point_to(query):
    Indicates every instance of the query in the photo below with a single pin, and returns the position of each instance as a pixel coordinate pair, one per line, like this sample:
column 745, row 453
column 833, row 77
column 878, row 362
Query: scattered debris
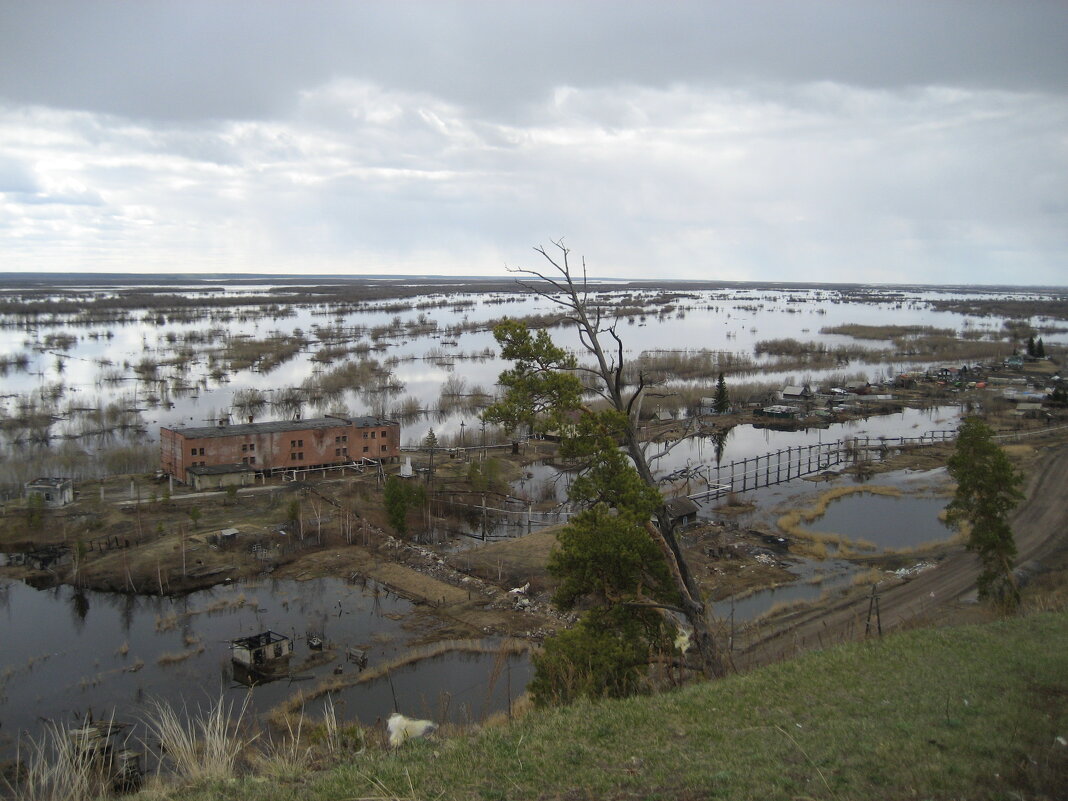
column 907, row 573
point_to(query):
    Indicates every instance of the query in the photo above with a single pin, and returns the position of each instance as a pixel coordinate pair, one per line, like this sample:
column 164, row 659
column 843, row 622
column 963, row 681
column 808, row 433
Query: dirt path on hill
column 1040, row 525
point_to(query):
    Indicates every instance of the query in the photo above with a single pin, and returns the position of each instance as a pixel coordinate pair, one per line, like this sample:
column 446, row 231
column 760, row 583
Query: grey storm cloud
column 879, row 141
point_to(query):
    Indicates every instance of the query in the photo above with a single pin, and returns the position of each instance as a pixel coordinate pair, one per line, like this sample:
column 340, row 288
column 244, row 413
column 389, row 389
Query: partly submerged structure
column 261, row 657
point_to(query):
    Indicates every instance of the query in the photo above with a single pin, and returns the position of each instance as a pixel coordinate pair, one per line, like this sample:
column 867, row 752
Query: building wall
column 52, row 496
column 297, row 447
column 221, row 480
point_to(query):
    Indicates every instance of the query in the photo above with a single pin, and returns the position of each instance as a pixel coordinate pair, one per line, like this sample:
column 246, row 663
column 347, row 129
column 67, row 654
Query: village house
column 796, row 394
column 236, row 452
column 681, row 511
column 53, row 492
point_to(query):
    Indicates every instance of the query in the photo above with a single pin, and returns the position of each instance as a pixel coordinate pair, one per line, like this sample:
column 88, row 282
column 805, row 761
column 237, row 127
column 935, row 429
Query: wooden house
column 681, row 511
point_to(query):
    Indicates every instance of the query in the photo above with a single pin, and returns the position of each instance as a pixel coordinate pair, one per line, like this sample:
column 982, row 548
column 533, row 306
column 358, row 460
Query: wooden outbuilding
column 53, row 492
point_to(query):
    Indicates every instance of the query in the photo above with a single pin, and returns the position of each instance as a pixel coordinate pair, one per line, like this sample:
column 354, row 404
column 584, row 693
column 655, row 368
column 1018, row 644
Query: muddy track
column 1040, row 525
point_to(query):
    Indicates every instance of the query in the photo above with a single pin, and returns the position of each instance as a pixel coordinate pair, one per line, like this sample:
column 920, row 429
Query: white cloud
column 819, row 181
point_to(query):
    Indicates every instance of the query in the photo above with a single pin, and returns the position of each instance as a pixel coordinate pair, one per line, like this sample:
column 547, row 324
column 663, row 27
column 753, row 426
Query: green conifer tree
column 988, row 488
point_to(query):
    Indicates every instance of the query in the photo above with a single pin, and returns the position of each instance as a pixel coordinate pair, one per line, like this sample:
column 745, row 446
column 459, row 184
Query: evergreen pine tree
column 988, row 488
column 722, row 400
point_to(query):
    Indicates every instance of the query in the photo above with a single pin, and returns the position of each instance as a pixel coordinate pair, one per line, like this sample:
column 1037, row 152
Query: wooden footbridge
column 777, row 467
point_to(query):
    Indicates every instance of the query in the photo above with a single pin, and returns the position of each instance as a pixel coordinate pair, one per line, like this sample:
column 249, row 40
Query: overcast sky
column 900, row 141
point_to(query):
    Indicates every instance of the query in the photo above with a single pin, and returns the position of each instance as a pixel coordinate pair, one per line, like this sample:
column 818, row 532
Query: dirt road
column 1040, row 525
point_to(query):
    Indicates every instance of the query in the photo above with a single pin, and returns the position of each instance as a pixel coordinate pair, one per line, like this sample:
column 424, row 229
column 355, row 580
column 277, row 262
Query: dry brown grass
column 174, row 657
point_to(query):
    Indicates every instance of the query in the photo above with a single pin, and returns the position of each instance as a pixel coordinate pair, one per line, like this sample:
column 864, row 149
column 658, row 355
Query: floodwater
column 67, row 652
column 419, row 348
column 885, row 520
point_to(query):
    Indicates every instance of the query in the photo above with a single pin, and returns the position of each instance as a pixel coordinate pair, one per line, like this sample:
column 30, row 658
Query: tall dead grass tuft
column 203, row 746
column 64, row 764
column 287, row 758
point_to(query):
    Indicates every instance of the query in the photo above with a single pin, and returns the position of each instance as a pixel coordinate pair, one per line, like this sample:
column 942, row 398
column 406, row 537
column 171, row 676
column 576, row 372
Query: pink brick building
column 279, row 445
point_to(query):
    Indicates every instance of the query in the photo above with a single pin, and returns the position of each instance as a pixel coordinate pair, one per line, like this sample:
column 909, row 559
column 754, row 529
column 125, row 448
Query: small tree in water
column 988, row 489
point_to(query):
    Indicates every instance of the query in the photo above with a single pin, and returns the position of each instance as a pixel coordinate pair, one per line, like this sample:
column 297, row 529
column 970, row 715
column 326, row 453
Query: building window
column 337, row 440
column 344, row 437
column 373, row 433
column 292, row 443
column 385, row 435
column 252, row 460
column 365, row 449
column 201, row 451
column 301, row 456
column 292, row 457
column 384, row 448
column 337, row 451
column 192, row 451
column 244, row 448
column 244, row 460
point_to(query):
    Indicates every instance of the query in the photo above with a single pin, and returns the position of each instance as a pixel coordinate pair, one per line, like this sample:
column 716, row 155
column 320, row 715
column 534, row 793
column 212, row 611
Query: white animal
column 683, row 639
column 520, row 590
column 402, row 728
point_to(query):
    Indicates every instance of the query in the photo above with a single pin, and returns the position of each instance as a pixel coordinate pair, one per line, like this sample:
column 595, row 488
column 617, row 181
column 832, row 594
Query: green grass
column 956, row 713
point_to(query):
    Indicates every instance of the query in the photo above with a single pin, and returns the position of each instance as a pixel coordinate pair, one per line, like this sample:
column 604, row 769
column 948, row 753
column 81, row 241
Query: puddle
column 835, row 574
column 458, row 686
column 886, row 521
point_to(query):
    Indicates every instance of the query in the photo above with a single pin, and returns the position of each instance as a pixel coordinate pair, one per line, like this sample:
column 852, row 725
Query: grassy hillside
column 971, row 712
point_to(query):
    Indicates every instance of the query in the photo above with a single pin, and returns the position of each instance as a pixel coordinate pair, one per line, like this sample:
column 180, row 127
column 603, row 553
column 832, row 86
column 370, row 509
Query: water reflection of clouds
column 747, row 442
column 718, row 320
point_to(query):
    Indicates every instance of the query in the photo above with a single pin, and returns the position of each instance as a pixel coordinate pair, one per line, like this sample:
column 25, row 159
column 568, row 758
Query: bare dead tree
column 606, row 377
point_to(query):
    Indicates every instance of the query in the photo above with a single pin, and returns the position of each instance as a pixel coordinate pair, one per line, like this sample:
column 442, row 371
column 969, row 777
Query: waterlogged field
column 90, row 372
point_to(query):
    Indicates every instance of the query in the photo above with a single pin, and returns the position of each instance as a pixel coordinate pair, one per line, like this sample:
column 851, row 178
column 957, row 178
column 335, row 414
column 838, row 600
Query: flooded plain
column 84, row 395
column 76, row 385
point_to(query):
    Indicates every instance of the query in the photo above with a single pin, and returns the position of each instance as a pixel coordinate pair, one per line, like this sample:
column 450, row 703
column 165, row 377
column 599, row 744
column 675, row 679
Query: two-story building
column 278, row 445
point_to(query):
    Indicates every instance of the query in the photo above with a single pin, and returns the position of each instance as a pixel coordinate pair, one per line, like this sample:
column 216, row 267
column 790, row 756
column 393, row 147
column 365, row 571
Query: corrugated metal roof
column 278, row 426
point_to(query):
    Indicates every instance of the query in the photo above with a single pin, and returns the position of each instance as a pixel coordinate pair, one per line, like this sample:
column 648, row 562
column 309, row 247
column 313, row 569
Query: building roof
column 48, row 481
column 278, row 426
column 219, row 469
column 680, row 507
column 779, row 409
